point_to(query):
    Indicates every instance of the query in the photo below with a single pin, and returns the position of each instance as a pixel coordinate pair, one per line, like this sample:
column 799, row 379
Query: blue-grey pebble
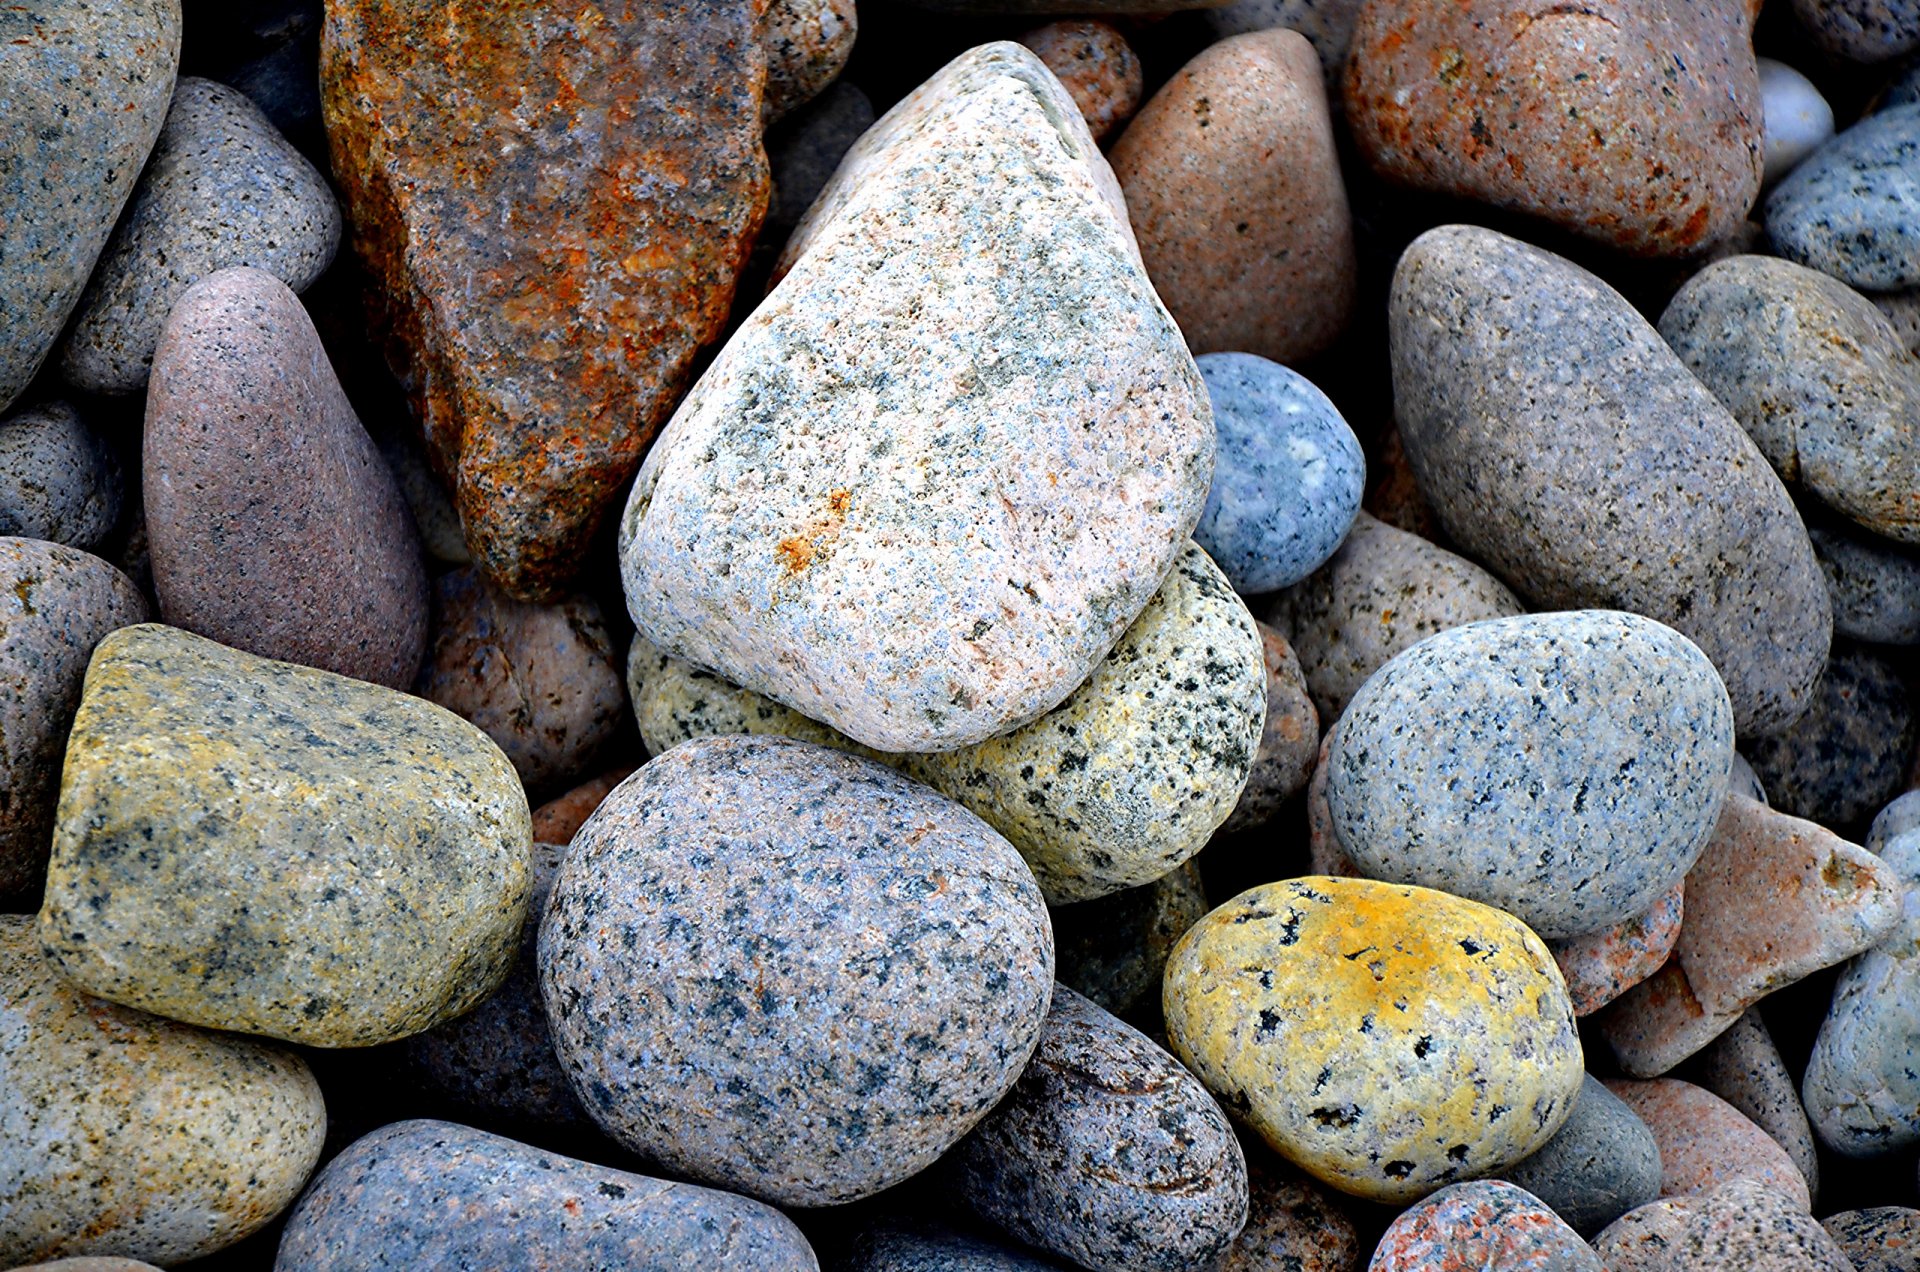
column 1744, row 781
column 1874, row 583
column 1601, row 1163
column 909, row 1244
column 1288, row 473
column 426, row 1194
column 1896, row 819
column 59, row 479
column 1852, row 210
column 1848, row 755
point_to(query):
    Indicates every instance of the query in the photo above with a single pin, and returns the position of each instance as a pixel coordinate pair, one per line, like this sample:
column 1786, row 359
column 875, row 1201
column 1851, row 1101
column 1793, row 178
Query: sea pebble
column 1874, row 583
column 1744, row 1226
column 59, row 479
column 1743, row 1067
column 1288, row 742
column 1852, row 209
column 1114, row 949
column 1861, row 30
column 1482, row 1224
column 1799, row 120
column 1849, row 753
column 1293, row 1224
column 1705, row 1142
column 1096, row 66
column 1879, row 1238
column 807, row 43
column 1601, row 966
column 1601, row 1163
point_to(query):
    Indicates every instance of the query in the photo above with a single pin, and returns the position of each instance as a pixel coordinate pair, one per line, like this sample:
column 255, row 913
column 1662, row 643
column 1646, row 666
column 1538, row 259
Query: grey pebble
column 1601, row 1163
column 1849, row 754
column 1852, row 210
column 1897, row 818
column 1742, row 1226
column 59, row 480
column 1113, row 949
column 1743, row 1067
column 1874, row 583
column 1878, row 1239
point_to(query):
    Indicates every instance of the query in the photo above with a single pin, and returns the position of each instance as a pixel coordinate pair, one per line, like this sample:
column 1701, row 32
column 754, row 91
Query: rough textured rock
column 1632, row 487
column 1852, row 210
column 541, row 290
column 1705, row 1142
column 555, row 821
column 1601, row 966
column 1878, row 1239
column 59, row 479
column 1096, row 66
column 1601, row 1163
column 252, row 845
column 1861, row 30
column 1897, row 818
column 1799, row 120
column 1743, row 1067
column 884, row 504
column 1482, row 1224
column 791, row 971
column 1850, row 752
column 1744, row 1226
column 124, row 1133
column 1288, row 743
column 432, row 1194
column 808, row 42
column 1114, row 949
column 1874, row 584
column 1293, row 1224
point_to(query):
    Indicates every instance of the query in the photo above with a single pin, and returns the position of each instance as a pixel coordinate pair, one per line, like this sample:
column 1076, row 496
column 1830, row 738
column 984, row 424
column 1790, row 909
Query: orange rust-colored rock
column 553, row 201
column 556, row 821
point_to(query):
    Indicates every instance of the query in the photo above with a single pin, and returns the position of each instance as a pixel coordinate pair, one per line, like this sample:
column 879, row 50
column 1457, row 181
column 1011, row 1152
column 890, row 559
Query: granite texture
column 1601, row 966
column 1327, row 24
column 1879, row 1238
column 1095, row 64
column 1601, row 1163
column 1743, row 1067
column 1852, row 210
column 1114, row 949
column 1293, row 1224
column 1861, row 30
column 251, row 845
column 1289, row 742
column 920, row 1245
column 1850, row 752
column 1798, row 119
column 555, row 821
column 1483, row 1224
column 808, row 43
column 59, row 479
column 1705, row 1142
column 1874, row 584
column 1744, row 1226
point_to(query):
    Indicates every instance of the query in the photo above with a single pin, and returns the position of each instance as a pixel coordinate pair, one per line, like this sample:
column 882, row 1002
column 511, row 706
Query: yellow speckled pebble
column 1388, row 1039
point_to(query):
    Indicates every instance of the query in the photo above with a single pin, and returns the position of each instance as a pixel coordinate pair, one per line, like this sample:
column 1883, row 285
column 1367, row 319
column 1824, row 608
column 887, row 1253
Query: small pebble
column 1852, row 209
column 555, row 821
column 1743, row 1067
column 1293, row 1224
column 1600, row 1164
column 807, row 42
column 59, row 479
column 1874, row 583
column 1601, row 966
column 1096, row 66
column 1482, row 1224
column 1799, row 120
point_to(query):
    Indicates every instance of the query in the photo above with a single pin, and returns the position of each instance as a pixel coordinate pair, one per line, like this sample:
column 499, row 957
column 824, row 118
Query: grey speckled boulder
column 435, row 1195
column 1629, row 488
column 1816, row 375
column 252, row 845
column 919, row 1245
column 791, row 971
column 1853, row 209
column 938, row 472
column 86, row 84
column 122, row 1133
column 222, row 188
column 1744, row 1067
column 1878, row 1239
column 1862, row 30
column 807, row 43
column 1113, row 949
column 1568, row 768
column 1849, row 754
column 1600, row 1164
column 59, row 480
column 1874, row 584
column 1743, row 1226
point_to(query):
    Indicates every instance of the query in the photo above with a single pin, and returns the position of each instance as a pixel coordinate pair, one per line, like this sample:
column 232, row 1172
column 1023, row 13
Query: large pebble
column 1706, row 1142
column 808, row 43
column 1874, row 583
column 1745, row 1068
column 1850, row 752
column 1852, row 210
column 1482, row 1224
column 1861, row 30
column 1114, row 949
column 1879, row 1238
column 1096, row 66
column 1799, row 120
column 59, row 479
column 1744, row 1226
column 1289, row 741
column 1601, row 1163
column 1293, row 1224
column 1601, row 966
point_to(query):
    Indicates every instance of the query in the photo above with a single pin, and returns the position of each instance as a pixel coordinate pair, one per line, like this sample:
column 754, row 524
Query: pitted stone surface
column 59, row 479
column 1744, row 1226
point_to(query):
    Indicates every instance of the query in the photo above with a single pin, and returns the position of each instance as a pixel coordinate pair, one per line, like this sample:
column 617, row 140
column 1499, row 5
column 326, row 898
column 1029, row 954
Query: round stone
column 807, row 43
column 59, row 480
column 1601, row 1163
column 1288, row 743
column 1852, row 209
column 1706, row 1142
column 1873, row 582
column 1799, row 120
column 1096, row 66
column 1482, row 1224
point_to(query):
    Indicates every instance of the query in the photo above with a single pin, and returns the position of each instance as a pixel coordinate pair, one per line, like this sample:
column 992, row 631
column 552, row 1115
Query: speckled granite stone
column 1798, row 119
column 1236, row 197
column 1293, row 1224
column 1328, row 24
column 555, row 821
column 1601, row 1163
column 1874, row 583
column 1852, row 210
column 1850, row 752
column 1386, row 1039
column 1483, row 1224
column 886, row 504
column 222, row 188
column 432, row 1194
column 808, row 42
column 1743, row 1067
column 275, row 526
column 1705, row 1142
column 541, row 289
column 124, row 1133
column 1744, row 1226
column 920, row 1245
column 59, row 480
column 1861, row 30
column 1878, row 1239
column 1096, row 66
column 1288, row 742
column 1631, row 487
column 1601, row 966
column 1106, row 1152
column 56, row 604
column 1567, row 768
column 791, row 971
column 1896, row 819
column 252, row 845
column 87, row 82
column 1114, row 949
column 804, row 151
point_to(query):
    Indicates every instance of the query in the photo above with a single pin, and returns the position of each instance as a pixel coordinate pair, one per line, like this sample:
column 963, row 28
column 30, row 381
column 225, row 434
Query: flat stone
column 1327, row 24
column 1861, row 30
column 541, row 290
column 1288, row 742
column 883, row 504
column 1877, row 1239
column 256, row 846
column 920, row 1245
column 274, row 525
column 1485, row 1223
column 1236, row 197
column 791, row 971
column 555, row 821
column 1798, row 119
column 1744, row 1226
column 1852, row 210
column 1096, row 66
column 1444, row 1048
column 125, row 1133
column 222, row 188
column 433, row 1194
column 1705, row 1142
column 59, row 479
column 1743, row 1067
column 1601, row 966
column 1293, row 1224
column 1850, row 752
column 1874, row 584
column 808, row 43
column 1114, row 949
column 1632, row 487
column 1601, row 1163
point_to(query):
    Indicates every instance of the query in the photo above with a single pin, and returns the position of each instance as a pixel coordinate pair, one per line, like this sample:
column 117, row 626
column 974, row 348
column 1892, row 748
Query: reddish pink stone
column 1705, row 1142
column 1603, row 965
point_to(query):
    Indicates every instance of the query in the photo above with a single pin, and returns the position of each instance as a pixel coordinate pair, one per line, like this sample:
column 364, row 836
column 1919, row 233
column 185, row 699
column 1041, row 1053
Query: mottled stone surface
column 1874, row 584
column 808, row 42
column 907, row 498
column 1879, row 1238
column 1096, row 66
column 1861, row 30
column 1706, row 1142
column 59, row 479
column 1483, row 1224
column 1237, row 199
column 1567, row 768
column 1798, row 119
column 222, row 188
column 1852, row 210
column 1114, row 949
column 1744, row 1226
column 1293, row 1224
column 1744, row 1068
column 1106, row 1152
column 920, row 1245
column 1601, row 966
column 1601, row 1163
column 275, row 526
column 122, row 1133
column 1902, row 309
column 791, row 971
column 1386, row 1039
column 252, row 845
column 1630, row 488
column 1328, row 24
column 555, row 821
column 433, row 1194
column 542, row 290
column 1288, row 742
column 805, row 149
column 1850, row 752
column 88, row 83
column 1896, row 819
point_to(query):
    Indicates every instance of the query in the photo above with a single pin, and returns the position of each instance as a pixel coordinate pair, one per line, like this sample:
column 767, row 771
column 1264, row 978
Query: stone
column 88, row 83
column 1114, row 949
column 257, row 846
column 1288, row 743
column 1744, row 781
column 1241, row 137
column 924, row 543
column 426, row 496
column 274, row 525
column 1293, row 1224
column 1287, row 475
column 1394, row 495
column 1823, row 900
column 1567, row 768
column 1029, row 7
column 1817, row 376
column 1902, row 309
column 1601, row 966
column 1482, row 1224
column 1705, row 1142
column 1861, row 30
column 1852, row 209
column 59, row 479
column 56, row 604
column 1632, row 488
column 433, row 1194
column 1744, row 1226
column 1096, row 66
column 919, row 1245
column 1874, row 584
column 1426, row 1038
column 90, row 1263
column 1106, row 1152
column 1897, row 818
column 1743, row 1067
column 1798, row 119
column 790, row 971
column 1327, row 24
column 1905, row 88
column 1601, row 1163
column 1849, row 753
column 541, row 291
column 806, row 148
column 1384, row 591
column 125, row 1133
column 1877, row 1239
column 1637, row 126
column 808, row 42
column 222, row 188
column 555, row 821
column 541, row 680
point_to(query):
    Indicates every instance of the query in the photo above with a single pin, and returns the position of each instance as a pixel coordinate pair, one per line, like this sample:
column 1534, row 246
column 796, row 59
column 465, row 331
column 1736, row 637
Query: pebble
column 1852, row 209
column 124, row 1133
column 1850, row 753
column 59, row 479
column 1289, row 741
column 1874, row 584
column 930, row 410
column 1878, row 1239
column 90, row 1263
column 1293, row 1224
column 1096, row 66
column 1482, row 1224
column 1600, row 1164
column 256, row 846
column 1744, row 1226
column 1902, row 309
column 1861, row 30
column 1327, row 24
column 1744, row 1067
column 1744, row 781
column 1114, row 949
column 1601, row 966
column 275, row 526
column 919, row 1245
column 222, row 188
column 1567, row 768
column 1798, row 119
column 846, row 971
column 555, row 821
column 1896, row 819
column 808, row 42
column 1425, row 1038
column 1241, row 137
column 1634, row 488
column 805, row 149
column 433, row 1194
column 1704, row 1142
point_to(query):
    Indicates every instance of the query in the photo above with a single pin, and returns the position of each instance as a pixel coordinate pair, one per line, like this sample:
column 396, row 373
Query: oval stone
column 1744, row 1226
column 1096, row 66
column 1482, row 1224
column 1852, row 210
column 59, row 480
column 1706, row 1142
column 1601, row 1163
column 1799, row 120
